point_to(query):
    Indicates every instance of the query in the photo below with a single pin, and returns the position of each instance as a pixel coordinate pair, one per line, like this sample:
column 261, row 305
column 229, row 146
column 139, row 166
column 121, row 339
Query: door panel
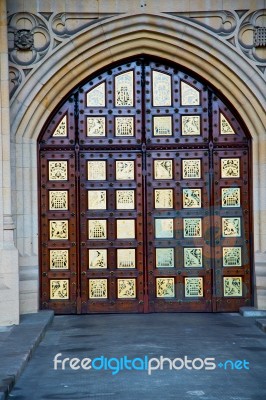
column 59, row 231
column 176, row 107
column 232, row 229
column 178, row 231
column 112, row 109
column 145, row 197
column 111, row 232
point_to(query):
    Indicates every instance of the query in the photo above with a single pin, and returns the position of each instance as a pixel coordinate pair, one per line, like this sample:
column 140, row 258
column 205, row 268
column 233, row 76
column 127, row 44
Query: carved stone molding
column 65, row 25
column 242, row 28
column 223, row 23
column 15, row 79
column 29, row 39
column 34, row 37
column 248, row 37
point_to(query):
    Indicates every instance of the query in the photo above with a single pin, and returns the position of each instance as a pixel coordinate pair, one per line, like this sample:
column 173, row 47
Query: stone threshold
column 252, row 312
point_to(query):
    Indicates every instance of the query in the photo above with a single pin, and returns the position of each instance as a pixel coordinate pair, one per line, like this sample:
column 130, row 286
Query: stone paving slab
column 236, row 343
column 17, row 345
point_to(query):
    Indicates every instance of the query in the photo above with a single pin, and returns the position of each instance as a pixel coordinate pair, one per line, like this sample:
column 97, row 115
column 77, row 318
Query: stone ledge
column 261, row 323
column 18, row 345
column 252, row 312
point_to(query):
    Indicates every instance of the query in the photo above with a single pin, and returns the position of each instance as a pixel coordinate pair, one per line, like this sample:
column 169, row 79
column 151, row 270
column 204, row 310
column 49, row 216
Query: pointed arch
column 121, row 37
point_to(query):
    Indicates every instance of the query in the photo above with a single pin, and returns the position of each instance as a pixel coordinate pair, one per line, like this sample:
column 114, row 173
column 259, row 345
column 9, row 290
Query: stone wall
column 55, row 44
column 9, row 280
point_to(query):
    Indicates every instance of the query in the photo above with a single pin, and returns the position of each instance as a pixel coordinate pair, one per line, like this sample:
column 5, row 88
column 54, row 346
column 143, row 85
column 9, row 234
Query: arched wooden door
column 145, row 201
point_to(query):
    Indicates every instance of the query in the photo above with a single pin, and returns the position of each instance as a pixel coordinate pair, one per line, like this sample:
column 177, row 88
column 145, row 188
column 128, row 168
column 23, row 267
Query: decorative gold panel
column 58, row 200
column 125, row 199
column 98, row 288
column 231, row 227
column 125, row 170
column 232, row 257
column 96, row 96
column 58, row 229
column 61, row 129
column 96, row 199
column 192, row 227
column 231, row 197
column 165, row 287
column 97, row 258
column 230, row 168
column 163, row 198
column 190, row 125
column 191, row 198
column 191, row 169
column 225, row 127
column 59, row 289
column 162, row 126
column 96, row 126
column 126, row 258
column 163, row 169
column 233, row 286
column 96, row 170
column 125, row 229
column 97, row 229
column 59, row 259
column 164, row 228
column 193, row 257
column 189, row 95
column 161, row 89
column 126, row 288
column 58, row 171
column 193, row 287
column 165, row 258
column 124, row 126
column 124, row 90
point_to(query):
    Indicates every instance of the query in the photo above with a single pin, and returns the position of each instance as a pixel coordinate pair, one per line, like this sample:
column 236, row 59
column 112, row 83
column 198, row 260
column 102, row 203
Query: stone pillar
column 260, row 223
column 9, row 277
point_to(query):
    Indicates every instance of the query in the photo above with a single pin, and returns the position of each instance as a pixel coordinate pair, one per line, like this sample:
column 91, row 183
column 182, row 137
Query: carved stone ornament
column 260, row 36
column 243, row 29
column 29, row 45
column 33, row 36
column 23, row 39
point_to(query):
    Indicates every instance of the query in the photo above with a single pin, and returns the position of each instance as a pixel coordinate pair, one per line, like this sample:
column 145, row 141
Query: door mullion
column 144, row 189
column 78, row 234
column 212, row 216
column 145, row 231
column 77, row 186
column 213, row 221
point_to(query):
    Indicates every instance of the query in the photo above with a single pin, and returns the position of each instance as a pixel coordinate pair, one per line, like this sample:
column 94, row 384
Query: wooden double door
column 144, row 197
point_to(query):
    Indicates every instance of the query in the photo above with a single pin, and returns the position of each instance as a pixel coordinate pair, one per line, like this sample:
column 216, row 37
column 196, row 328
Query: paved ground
column 222, row 337
column 17, row 344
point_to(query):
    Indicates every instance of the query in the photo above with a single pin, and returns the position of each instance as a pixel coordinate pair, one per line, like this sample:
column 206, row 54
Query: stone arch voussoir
column 125, row 36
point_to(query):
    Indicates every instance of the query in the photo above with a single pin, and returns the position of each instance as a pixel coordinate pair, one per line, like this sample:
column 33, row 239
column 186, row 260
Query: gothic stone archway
column 144, row 176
